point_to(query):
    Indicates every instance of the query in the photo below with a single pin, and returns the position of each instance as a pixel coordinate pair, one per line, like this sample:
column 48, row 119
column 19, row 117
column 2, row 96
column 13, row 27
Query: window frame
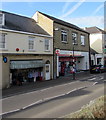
column 64, row 36
column 3, row 35
column 31, row 39
column 2, row 19
column 73, row 41
column 47, row 45
column 82, row 43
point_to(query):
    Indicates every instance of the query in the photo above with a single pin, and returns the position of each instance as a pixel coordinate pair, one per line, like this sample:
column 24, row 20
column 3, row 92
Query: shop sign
column 77, row 53
column 57, row 51
column 64, row 59
column 26, row 64
column 65, row 53
column 69, row 53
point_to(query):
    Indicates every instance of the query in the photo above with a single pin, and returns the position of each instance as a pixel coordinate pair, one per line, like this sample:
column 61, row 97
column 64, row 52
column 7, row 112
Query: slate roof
column 94, row 29
column 21, row 23
column 56, row 20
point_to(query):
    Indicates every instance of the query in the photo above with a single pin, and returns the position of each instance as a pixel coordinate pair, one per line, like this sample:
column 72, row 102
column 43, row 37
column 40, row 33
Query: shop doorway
column 47, row 66
column 47, row 70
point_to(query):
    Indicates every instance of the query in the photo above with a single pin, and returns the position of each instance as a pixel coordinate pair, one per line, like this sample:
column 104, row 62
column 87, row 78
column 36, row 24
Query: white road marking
column 94, row 83
column 50, row 98
column 91, row 79
column 10, row 112
column 37, row 102
column 71, row 91
column 101, row 78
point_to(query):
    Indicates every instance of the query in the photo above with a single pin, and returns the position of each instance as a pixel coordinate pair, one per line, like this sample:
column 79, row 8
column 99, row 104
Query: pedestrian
column 14, row 78
column 20, row 78
column 30, row 76
column 74, row 71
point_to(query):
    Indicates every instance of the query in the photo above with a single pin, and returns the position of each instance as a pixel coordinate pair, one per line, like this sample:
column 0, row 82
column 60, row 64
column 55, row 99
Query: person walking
column 20, row 78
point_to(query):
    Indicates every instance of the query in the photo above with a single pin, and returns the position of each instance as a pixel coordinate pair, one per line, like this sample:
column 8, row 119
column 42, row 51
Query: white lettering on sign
column 66, row 52
column 69, row 53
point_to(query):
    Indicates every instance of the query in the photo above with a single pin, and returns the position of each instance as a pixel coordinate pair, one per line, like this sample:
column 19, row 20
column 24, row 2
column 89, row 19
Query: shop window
column 98, row 60
column 64, row 36
column 1, row 19
column 92, row 62
column 47, row 44
column 105, row 62
column 82, row 40
column 2, row 41
column 74, row 38
column 31, row 43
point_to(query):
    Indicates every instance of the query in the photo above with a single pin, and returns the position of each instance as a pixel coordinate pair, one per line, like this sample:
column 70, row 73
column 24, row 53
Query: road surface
column 54, row 102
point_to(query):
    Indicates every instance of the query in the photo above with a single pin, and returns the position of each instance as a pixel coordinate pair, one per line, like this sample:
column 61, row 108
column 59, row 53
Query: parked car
column 97, row 69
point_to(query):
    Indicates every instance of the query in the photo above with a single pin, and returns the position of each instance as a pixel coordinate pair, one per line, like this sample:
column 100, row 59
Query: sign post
column 73, row 60
column 57, row 53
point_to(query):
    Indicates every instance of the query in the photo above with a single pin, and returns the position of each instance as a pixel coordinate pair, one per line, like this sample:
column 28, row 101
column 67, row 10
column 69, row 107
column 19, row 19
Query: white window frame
column 82, row 39
column 64, row 36
column 75, row 38
column 47, row 45
column 2, row 19
column 3, row 41
column 31, row 41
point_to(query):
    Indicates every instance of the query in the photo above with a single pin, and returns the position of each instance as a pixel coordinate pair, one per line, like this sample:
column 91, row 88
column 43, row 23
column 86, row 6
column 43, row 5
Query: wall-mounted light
column 56, row 29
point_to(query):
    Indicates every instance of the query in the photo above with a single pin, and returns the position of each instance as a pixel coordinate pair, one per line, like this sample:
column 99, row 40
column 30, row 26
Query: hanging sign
column 57, row 51
column 5, row 59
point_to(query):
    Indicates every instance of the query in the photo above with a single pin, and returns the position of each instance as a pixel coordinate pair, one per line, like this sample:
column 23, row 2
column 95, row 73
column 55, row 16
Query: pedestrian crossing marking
column 91, row 79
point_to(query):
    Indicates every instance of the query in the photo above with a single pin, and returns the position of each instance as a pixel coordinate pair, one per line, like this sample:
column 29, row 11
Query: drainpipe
column 89, row 51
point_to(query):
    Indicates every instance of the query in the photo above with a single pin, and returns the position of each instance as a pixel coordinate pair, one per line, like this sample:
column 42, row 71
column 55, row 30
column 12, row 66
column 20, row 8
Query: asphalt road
column 54, row 102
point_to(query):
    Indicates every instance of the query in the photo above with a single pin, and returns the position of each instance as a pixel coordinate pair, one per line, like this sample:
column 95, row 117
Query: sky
column 80, row 13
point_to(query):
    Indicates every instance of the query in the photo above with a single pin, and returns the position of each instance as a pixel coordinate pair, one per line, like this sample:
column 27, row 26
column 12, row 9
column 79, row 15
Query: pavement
column 28, row 87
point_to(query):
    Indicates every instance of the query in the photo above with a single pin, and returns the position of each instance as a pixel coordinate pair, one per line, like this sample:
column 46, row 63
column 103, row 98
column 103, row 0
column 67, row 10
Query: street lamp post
column 73, row 59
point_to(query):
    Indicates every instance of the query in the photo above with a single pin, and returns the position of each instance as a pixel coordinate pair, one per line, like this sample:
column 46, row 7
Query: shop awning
column 26, row 64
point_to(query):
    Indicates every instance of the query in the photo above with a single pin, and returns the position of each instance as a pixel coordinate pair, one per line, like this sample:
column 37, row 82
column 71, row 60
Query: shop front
column 66, row 65
column 23, row 71
column 66, row 61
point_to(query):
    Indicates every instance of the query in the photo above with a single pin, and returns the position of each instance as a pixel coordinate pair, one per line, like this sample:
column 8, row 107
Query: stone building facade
column 66, row 37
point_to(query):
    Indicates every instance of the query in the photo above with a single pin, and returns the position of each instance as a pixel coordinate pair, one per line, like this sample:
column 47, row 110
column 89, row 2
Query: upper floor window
column 31, row 43
column 1, row 19
column 74, row 37
column 2, row 41
column 82, row 40
column 47, row 44
column 64, row 36
column 105, row 37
